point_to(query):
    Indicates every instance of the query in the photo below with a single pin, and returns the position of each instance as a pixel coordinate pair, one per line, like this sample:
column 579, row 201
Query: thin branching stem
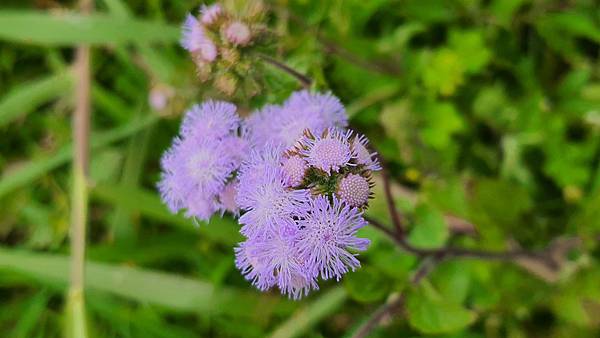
column 304, row 80
column 395, row 304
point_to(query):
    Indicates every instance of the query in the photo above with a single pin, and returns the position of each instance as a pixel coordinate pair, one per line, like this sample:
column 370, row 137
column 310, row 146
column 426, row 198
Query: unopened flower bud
column 354, row 190
column 226, row 83
column 294, row 169
column 238, row 33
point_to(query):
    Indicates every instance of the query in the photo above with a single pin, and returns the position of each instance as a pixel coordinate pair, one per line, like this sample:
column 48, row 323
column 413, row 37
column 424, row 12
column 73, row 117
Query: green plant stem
column 76, row 325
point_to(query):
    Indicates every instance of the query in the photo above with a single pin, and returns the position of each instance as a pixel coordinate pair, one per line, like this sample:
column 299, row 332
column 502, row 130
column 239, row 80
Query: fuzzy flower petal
column 329, row 231
column 329, row 152
column 210, row 119
column 363, row 156
column 195, row 40
column 210, row 14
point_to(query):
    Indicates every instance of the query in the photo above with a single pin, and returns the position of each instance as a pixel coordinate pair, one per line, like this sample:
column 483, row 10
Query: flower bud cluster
column 221, row 39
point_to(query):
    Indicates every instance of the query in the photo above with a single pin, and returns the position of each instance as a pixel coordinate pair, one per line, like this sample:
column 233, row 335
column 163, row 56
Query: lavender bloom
column 210, row 14
column 354, row 190
column 262, row 193
column 196, row 41
column 329, row 152
column 198, row 165
column 210, row 119
column 238, row 33
column 329, row 230
column 283, row 125
column 294, row 168
column 363, row 156
column 252, row 263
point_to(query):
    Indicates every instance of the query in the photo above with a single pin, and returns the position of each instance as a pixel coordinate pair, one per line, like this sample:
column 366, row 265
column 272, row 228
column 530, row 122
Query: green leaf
column 67, row 29
column 224, row 230
column 430, row 230
column 431, row 314
column 38, row 167
column 443, row 71
column 470, row 48
column 442, row 122
column 141, row 285
column 25, row 98
column 366, row 285
column 307, row 316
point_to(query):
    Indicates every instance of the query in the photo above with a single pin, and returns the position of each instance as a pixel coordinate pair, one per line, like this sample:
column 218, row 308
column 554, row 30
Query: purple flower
column 329, row 152
column 275, row 260
column 283, row 125
column 238, row 33
column 201, row 161
column 326, row 106
column 210, row 14
column 263, row 195
column 294, row 168
column 363, row 156
column 354, row 190
column 328, row 232
column 210, row 119
column 196, row 41
column 252, row 263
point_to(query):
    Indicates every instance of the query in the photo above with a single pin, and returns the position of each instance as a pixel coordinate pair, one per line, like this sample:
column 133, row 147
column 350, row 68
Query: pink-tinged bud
column 196, row 41
column 159, row 97
column 354, row 190
column 238, row 33
column 227, row 198
column 294, row 169
column 210, row 14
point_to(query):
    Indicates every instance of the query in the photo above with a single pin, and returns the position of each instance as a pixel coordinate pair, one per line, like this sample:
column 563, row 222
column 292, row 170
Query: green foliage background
column 484, row 110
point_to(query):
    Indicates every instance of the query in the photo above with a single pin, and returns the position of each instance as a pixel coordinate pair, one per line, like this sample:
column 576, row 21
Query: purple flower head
column 363, row 156
column 263, row 194
column 194, row 171
column 210, row 119
column 195, row 40
column 283, row 125
column 197, row 167
column 329, row 152
column 328, row 232
column 210, row 14
column 354, row 190
column 227, row 199
column 251, row 260
column 326, row 106
column 294, row 168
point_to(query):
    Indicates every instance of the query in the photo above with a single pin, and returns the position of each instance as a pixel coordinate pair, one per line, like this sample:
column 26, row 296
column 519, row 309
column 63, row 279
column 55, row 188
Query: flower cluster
column 297, row 178
column 197, row 169
column 220, row 39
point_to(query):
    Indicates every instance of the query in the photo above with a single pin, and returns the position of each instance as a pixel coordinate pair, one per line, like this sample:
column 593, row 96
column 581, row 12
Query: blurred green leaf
column 224, row 230
column 26, row 97
column 366, row 285
column 470, row 48
column 307, row 316
column 443, row 71
column 41, row 166
column 141, row 285
column 64, row 29
column 430, row 229
column 429, row 313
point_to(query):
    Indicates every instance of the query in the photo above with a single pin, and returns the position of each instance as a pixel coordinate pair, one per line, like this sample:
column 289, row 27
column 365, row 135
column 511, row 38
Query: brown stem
column 79, row 195
column 304, row 80
column 451, row 252
column 389, row 198
column 395, row 304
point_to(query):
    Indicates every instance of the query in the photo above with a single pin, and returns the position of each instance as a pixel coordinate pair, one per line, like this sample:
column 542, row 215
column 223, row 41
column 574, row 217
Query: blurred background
column 487, row 113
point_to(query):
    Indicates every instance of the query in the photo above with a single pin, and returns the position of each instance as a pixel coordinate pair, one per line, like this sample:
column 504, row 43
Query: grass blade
column 25, row 98
column 306, row 317
column 148, row 203
column 142, row 285
column 39, row 167
column 67, row 29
